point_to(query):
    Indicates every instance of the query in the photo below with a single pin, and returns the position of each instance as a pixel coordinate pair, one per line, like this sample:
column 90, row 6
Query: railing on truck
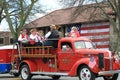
column 33, row 52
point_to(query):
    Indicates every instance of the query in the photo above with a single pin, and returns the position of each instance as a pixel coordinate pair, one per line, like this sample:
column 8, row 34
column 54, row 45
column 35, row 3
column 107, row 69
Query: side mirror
column 64, row 48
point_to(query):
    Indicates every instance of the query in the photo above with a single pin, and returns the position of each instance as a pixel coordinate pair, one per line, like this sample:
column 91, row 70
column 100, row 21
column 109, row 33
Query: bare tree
column 16, row 13
column 113, row 16
column 2, row 16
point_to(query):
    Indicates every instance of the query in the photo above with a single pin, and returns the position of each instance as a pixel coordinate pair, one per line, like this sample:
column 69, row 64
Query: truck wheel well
column 79, row 67
column 24, row 63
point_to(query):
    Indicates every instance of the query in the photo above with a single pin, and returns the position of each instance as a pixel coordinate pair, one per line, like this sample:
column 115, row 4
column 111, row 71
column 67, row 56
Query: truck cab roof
column 74, row 39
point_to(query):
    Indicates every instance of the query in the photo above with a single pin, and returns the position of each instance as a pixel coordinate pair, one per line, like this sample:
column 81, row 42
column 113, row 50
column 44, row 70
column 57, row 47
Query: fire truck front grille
column 107, row 64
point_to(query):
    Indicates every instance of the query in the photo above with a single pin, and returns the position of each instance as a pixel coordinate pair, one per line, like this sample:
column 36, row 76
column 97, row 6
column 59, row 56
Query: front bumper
column 109, row 72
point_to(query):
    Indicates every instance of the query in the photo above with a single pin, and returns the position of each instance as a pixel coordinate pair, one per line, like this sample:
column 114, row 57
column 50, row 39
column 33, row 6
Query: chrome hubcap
column 85, row 74
column 24, row 73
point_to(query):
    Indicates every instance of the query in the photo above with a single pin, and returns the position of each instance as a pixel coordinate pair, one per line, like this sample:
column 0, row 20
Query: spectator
column 52, row 37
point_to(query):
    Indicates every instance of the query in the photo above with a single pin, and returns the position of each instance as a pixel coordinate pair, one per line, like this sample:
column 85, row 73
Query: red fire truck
column 72, row 57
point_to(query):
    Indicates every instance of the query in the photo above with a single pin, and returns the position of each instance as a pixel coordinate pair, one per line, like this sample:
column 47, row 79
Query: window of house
column 1, row 41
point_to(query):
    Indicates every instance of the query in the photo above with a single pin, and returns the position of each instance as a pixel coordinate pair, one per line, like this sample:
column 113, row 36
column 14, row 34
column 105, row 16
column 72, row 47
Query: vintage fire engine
column 82, row 60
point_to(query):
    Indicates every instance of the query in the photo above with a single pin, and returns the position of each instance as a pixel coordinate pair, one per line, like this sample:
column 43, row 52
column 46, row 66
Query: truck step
column 50, row 73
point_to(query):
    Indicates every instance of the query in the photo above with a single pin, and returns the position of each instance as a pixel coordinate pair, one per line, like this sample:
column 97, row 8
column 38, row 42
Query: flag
column 98, row 34
column 92, row 62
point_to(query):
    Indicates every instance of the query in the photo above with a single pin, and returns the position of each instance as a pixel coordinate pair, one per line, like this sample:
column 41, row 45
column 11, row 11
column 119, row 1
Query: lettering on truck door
column 66, row 56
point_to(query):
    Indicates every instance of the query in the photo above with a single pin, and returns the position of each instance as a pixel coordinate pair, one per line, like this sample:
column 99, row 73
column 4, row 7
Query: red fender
column 85, row 61
column 31, row 64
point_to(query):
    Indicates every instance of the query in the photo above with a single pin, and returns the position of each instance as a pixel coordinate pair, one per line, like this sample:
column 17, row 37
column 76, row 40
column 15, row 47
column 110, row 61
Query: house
column 89, row 21
column 5, row 38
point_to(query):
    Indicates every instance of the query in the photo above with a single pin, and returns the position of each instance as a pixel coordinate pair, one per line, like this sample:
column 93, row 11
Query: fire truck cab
column 72, row 57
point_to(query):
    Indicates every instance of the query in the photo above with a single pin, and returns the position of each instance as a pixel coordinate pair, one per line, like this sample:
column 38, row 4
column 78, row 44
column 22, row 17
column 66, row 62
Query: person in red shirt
column 74, row 32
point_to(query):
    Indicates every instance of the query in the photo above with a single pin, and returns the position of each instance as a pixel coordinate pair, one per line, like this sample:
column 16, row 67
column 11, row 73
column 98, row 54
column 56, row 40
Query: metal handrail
column 18, row 48
column 34, row 48
column 12, row 58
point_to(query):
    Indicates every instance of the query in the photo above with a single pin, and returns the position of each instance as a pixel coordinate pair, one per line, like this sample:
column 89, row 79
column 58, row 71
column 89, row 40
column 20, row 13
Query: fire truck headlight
column 117, row 56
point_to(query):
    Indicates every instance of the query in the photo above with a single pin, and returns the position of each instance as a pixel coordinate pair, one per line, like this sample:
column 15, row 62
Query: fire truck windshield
column 83, row 44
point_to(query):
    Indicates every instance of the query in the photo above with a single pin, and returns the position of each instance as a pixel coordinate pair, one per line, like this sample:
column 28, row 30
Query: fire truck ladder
column 32, row 52
column 44, row 52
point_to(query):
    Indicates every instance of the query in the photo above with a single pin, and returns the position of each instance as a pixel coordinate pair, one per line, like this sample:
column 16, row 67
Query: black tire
column 25, row 73
column 85, row 73
column 55, row 77
column 114, row 77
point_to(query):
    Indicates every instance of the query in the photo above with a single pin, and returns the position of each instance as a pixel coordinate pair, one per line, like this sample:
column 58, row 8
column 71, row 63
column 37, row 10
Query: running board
column 51, row 73
column 44, row 73
column 108, row 72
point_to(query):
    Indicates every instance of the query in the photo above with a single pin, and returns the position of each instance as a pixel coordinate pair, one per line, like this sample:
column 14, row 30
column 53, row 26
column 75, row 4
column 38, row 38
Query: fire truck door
column 66, row 60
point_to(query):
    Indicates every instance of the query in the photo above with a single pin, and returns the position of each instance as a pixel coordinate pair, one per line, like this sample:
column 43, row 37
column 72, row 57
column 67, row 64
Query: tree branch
column 8, row 18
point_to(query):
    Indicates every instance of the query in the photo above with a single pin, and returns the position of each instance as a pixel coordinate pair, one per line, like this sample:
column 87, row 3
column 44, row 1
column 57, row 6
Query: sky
column 50, row 5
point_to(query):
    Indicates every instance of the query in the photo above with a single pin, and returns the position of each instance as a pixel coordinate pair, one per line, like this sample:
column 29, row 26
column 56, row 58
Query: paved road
column 9, row 77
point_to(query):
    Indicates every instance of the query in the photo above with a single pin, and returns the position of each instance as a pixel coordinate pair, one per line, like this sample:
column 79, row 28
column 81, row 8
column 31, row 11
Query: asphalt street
column 38, row 77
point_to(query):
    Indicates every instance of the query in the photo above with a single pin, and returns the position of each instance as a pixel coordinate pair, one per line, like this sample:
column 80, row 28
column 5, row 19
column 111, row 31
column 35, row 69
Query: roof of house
column 68, row 16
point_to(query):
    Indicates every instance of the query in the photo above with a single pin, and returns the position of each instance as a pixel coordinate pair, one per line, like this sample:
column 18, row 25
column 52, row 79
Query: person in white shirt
column 23, row 38
column 34, row 38
column 41, row 35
